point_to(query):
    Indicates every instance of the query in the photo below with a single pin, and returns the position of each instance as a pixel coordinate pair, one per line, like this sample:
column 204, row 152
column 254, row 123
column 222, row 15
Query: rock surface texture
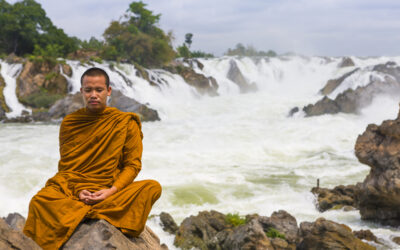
column 236, row 76
column 378, row 197
column 335, row 198
column 13, row 239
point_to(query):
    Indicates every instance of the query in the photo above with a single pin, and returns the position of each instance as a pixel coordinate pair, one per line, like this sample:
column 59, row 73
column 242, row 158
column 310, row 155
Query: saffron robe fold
column 97, row 151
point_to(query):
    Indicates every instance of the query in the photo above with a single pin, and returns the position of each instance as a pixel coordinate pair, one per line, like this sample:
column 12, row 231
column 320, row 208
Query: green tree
column 241, row 50
column 136, row 38
column 188, row 39
column 183, row 51
column 24, row 25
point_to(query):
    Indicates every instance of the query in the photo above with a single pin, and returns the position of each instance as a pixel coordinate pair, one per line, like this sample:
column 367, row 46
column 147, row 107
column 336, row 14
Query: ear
column 81, row 90
column 109, row 90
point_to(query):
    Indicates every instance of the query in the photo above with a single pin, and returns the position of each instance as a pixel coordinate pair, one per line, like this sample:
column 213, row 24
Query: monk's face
column 94, row 91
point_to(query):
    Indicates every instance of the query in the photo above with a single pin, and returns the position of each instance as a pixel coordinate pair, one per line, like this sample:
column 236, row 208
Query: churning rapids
column 231, row 153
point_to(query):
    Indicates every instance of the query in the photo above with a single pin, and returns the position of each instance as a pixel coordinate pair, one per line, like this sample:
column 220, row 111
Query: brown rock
column 67, row 105
column 332, row 84
column 338, row 196
column 366, row 235
column 99, row 234
column 346, row 62
column 396, row 240
column 378, row 196
column 13, row 239
column 3, row 106
column 236, row 76
column 284, row 222
column 15, row 221
column 168, row 223
column 326, row 234
column 323, row 106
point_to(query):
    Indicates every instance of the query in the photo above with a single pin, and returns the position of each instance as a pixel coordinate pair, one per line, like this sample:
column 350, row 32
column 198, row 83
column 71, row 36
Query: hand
column 93, row 198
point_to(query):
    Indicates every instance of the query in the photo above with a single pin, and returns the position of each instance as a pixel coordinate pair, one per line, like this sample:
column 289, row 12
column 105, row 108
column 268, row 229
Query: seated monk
column 100, row 156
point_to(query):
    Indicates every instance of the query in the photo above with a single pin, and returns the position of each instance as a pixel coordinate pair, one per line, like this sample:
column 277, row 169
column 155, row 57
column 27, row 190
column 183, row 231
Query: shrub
column 273, row 233
column 235, row 219
column 41, row 99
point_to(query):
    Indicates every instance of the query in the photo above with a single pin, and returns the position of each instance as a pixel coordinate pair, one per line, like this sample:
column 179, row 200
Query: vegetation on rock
column 235, row 219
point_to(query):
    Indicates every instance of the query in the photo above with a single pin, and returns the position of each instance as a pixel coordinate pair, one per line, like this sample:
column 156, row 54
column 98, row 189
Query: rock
column 396, row 240
column 378, row 196
column 293, row 111
column 13, row 239
column 338, row 196
column 200, row 231
column 126, row 104
column 248, row 236
column 168, row 223
column 15, row 221
column 324, row 106
column 3, row 106
column 83, row 55
column 236, row 76
column 332, row 84
column 284, row 223
column 326, row 234
column 203, row 84
column 67, row 105
column 346, row 62
column 366, row 235
column 99, row 234
column 40, row 84
column 66, row 69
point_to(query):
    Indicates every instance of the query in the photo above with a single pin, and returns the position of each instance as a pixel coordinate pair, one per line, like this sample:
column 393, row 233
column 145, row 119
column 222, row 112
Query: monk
column 100, row 156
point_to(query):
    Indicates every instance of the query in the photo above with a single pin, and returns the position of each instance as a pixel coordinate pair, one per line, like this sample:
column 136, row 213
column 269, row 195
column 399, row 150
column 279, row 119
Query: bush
column 273, row 233
column 41, row 99
column 235, row 219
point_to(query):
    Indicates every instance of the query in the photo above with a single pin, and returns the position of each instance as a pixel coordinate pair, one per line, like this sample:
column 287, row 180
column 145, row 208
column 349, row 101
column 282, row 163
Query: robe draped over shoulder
column 97, row 151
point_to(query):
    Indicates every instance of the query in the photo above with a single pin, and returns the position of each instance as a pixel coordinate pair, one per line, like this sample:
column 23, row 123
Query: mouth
column 93, row 102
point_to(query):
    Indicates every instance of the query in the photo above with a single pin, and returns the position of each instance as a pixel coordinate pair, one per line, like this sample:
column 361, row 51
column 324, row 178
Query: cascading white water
column 232, row 153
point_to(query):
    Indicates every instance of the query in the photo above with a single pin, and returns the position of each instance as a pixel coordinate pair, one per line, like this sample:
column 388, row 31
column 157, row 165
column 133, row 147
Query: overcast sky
column 310, row 27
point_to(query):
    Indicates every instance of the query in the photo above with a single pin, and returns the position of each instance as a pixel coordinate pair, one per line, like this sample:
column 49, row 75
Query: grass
column 273, row 233
column 235, row 219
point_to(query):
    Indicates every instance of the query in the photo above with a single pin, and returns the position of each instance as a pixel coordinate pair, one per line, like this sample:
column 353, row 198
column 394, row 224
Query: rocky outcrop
column 73, row 102
column 378, row 196
column 203, row 84
column 214, row 230
column 14, row 239
column 337, row 197
column 236, row 76
column 332, row 84
column 168, row 224
column 3, row 106
column 99, row 234
column 326, row 234
column 346, row 62
column 15, row 221
column 352, row 100
column 366, row 235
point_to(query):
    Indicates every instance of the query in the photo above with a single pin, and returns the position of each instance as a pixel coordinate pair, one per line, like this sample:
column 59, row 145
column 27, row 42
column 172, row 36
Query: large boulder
column 203, row 84
column 99, row 234
column 337, row 197
column 15, row 221
column 378, row 196
column 168, row 224
column 346, row 62
column 236, row 76
column 326, row 234
column 332, row 84
column 323, row 106
column 73, row 102
column 14, row 239
column 40, row 84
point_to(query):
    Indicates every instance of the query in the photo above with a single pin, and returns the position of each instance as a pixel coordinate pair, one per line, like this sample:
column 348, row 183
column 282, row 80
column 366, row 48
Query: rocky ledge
column 214, row 230
column 90, row 234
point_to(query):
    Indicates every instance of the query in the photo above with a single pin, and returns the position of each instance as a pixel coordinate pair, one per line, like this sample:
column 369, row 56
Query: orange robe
column 96, row 152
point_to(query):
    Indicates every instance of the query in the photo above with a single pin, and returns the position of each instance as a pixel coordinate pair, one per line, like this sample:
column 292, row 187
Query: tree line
column 25, row 30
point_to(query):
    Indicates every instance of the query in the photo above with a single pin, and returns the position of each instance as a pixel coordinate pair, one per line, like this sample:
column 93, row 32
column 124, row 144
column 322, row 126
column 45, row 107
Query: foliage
column 241, row 50
column 96, row 59
column 183, row 51
column 92, row 44
column 235, row 219
column 201, row 54
column 41, row 99
column 136, row 38
column 24, row 25
column 273, row 233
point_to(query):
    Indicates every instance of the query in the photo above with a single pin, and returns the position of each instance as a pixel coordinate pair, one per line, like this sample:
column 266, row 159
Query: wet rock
column 200, row 231
column 293, row 111
column 14, row 239
column 378, row 196
column 203, row 84
column 332, row 84
column 236, row 76
column 15, row 221
column 66, row 69
column 326, row 234
column 346, row 62
column 338, row 196
column 248, row 236
column 73, row 102
column 396, row 240
column 324, row 106
column 366, row 235
column 40, row 84
column 168, row 223
column 284, row 223
column 99, row 234
column 127, row 104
